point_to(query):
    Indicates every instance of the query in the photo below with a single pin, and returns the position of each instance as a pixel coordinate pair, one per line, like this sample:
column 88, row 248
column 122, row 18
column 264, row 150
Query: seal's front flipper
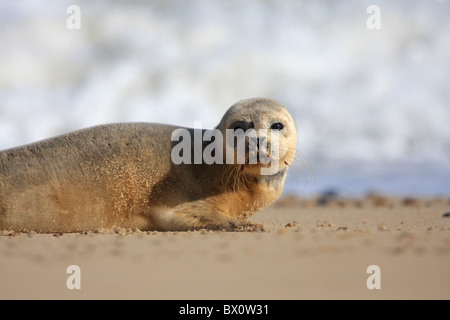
column 195, row 216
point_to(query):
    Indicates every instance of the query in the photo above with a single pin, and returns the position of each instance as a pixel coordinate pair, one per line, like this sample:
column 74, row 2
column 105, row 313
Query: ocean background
column 372, row 107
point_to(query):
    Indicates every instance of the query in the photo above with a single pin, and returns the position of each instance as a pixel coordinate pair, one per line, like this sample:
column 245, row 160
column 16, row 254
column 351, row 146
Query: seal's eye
column 277, row 126
column 244, row 126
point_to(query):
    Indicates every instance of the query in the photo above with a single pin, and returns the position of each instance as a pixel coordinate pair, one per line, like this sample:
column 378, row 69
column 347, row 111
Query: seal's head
column 260, row 137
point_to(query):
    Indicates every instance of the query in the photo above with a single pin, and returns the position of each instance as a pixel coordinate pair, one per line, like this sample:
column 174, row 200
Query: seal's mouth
column 263, row 168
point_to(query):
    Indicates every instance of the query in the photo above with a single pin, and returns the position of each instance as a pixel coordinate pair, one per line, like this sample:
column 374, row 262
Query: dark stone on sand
column 327, row 196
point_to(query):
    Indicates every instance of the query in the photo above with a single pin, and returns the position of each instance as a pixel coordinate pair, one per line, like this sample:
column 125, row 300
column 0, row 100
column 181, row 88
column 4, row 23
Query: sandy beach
column 317, row 248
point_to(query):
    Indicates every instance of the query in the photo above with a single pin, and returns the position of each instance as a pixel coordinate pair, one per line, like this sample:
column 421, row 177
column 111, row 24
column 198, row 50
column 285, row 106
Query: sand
column 312, row 249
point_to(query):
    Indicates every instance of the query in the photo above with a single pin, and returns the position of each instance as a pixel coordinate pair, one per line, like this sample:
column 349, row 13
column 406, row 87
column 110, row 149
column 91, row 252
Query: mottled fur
column 122, row 176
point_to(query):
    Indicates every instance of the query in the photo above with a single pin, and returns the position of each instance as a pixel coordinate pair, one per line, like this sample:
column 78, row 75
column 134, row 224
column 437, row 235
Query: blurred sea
column 372, row 106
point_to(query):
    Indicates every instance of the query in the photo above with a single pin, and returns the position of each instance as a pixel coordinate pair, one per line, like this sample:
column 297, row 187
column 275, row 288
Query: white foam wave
column 359, row 96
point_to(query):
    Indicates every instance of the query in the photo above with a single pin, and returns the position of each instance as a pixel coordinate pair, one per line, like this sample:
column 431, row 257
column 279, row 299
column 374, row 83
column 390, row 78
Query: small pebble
column 410, row 202
column 290, row 225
